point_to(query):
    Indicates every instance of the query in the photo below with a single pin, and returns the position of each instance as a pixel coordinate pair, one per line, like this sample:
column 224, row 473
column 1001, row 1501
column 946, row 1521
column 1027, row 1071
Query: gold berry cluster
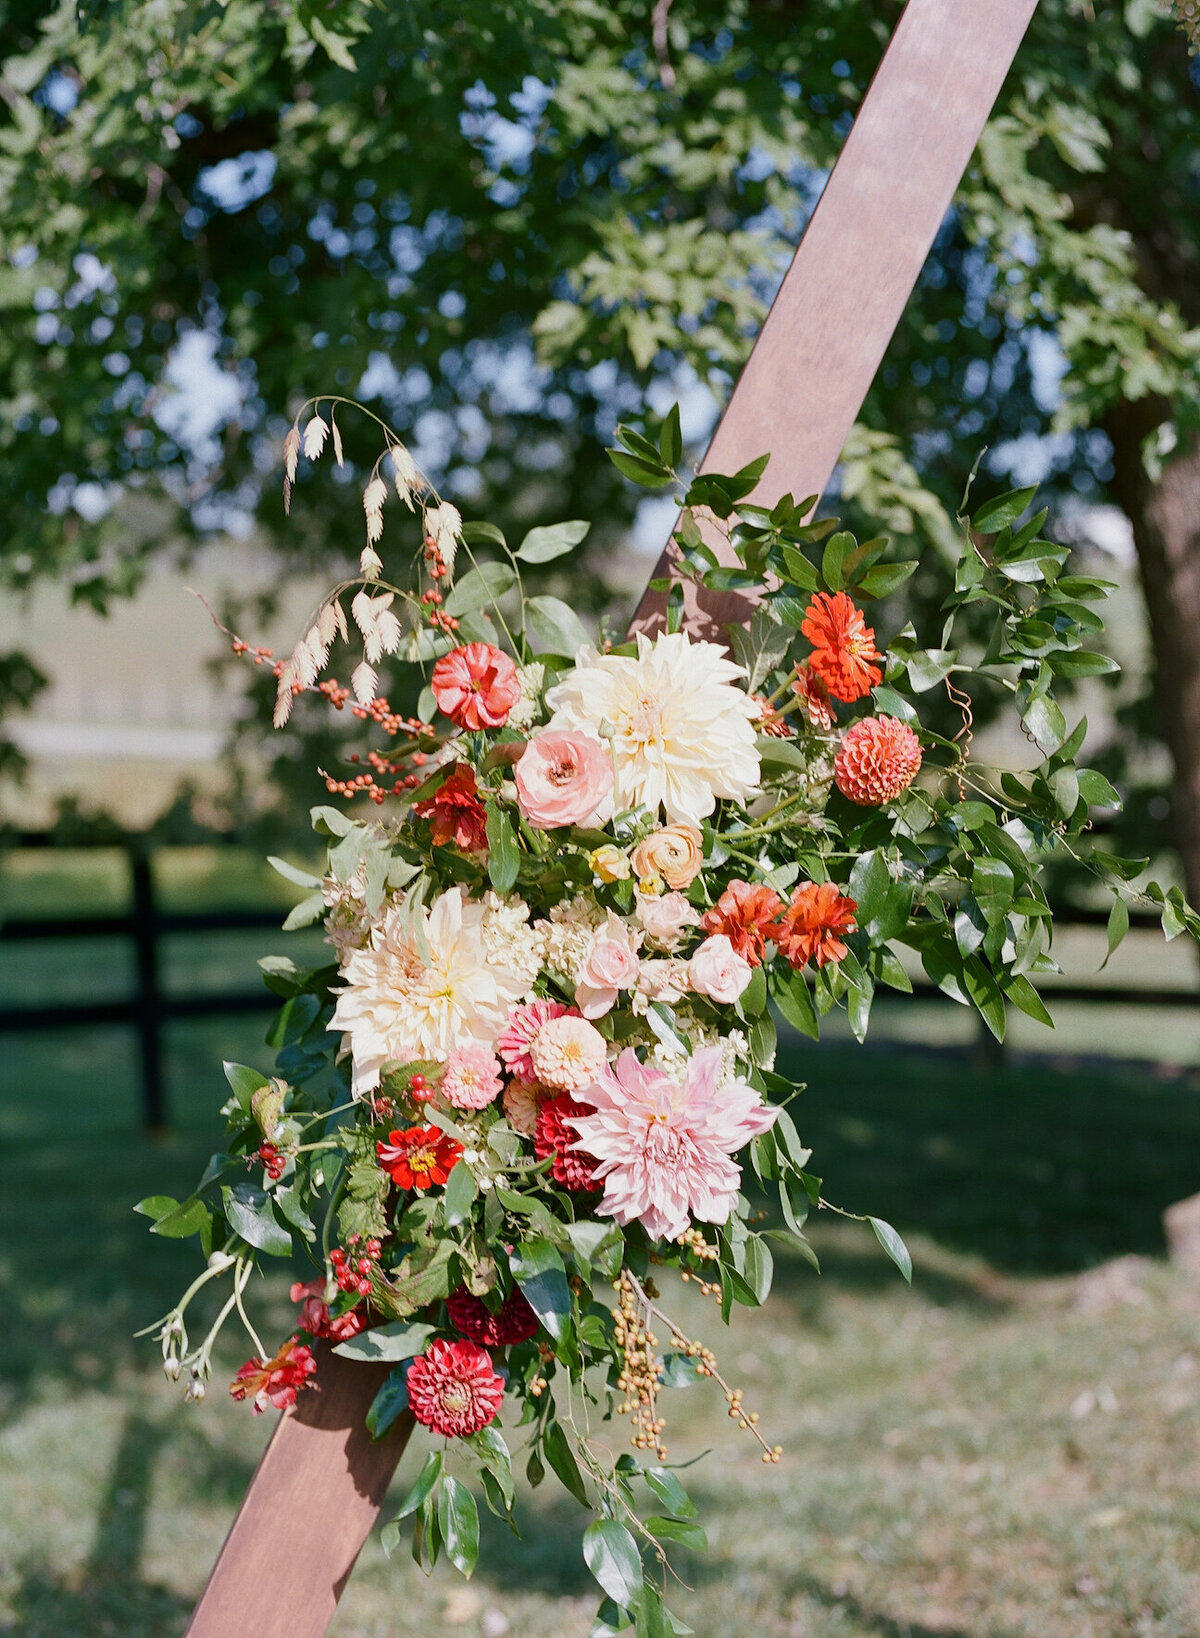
column 639, row 1376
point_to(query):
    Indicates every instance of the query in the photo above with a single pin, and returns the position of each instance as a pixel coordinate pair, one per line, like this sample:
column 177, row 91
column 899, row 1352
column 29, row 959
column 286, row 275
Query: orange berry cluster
column 437, row 616
column 260, row 656
column 334, row 692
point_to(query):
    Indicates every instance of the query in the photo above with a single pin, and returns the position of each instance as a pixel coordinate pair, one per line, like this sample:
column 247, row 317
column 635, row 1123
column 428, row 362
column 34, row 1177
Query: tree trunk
column 1165, row 514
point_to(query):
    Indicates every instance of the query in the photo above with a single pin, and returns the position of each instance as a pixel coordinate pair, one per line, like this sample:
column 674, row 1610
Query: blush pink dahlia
column 664, row 1152
column 472, row 1078
column 453, row 1389
column 516, row 1038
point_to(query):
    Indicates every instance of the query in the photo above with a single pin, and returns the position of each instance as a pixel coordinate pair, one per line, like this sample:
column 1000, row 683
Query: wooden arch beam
column 321, row 1481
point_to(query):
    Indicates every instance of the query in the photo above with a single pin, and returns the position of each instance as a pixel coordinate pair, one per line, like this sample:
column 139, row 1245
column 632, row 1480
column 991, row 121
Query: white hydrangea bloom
column 509, row 938
column 528, row 708
column 568, row 935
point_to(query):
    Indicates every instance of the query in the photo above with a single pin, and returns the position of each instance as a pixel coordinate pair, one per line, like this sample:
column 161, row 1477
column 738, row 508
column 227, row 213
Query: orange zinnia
column 746, row 915
column 809, row 926
column 843, row 646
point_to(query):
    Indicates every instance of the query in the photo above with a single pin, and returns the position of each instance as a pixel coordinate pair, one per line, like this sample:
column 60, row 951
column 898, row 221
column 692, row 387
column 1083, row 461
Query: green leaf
column 538, row 1269
column 244, row 1081
column 611, row 1554
column 459, row 1195
column 488, row 1444
column 562, row 1460
column 157, row 1206
column 480, row 587
column 555, row 627
column 648, row 474
column 669, row 1490
column 929, row 666
column 893, row 1245
column 399, row 1339
column 884, row 578
column 992, row 881
column 985, row 995
column 1082, row 662
column 996, row 514
column 551, row 540
column 1022, row 994
column 670, row 438
column 483, row 534
column 794, row 1000
column 249, row 1213
column 683, row 1531
column 414, row 1501
column 759, row 1268
column 458, row 1520
column 192, row 1217
column 1045, row 721
column 836, row 550
column 1118, row 926
column 504, row 852
column 389, row 1404
column 1096, row 791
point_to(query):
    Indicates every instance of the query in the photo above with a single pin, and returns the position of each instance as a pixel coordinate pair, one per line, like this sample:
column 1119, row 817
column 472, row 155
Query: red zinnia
column 453, row 1389
column 572, row 1168
column 420, row 1158
column 843, row 646
column 315, row 1318
column 815, row 696
column 879, row 758
column 457, row 813
column 514, row 1321
column 809, row 926
column 276, row 1381
column 746, row 914
column 476, row 686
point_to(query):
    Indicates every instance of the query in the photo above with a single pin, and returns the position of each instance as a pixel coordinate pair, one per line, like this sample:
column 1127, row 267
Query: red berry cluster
column 260, row 656
column 419, row 1089
column 273, row 1160
column 353, row 1273
column 381, row 713
column 434, row 560
column 334, row 692
column 438, row 618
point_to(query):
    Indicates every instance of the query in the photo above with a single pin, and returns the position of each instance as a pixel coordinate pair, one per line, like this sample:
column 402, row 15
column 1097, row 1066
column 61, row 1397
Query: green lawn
column 1007, row 1451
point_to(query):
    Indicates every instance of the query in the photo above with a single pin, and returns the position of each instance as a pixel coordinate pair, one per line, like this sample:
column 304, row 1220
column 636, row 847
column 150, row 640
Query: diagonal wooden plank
column 310, row 1506
column 841, row 300
column 321, row 1482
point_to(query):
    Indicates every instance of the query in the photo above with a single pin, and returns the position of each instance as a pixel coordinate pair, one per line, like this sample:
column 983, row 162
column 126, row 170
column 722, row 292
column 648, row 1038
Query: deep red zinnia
column 843, row 646
column 571, row 1167
column 879, row 757
column 457, row 813
column 513, row 1321
column 420, row 1158
column 276, row 1381
column 453, row 1389
column 476, row 685
column 809, row 927
column 315, row 1317
column 746, row 914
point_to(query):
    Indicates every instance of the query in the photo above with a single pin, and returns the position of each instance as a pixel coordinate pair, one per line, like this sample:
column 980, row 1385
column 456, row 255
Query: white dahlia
column 423, row 986
column 682, row 733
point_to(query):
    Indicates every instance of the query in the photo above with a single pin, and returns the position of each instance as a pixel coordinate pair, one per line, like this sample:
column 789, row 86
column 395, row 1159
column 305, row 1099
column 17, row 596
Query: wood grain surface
column 322, row 1480
column 310, row 1506
column 841, row 300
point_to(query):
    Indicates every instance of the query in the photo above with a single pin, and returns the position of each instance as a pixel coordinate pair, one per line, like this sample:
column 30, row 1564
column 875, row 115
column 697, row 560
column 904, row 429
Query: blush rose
column 717, row 971
column 564, row 779
column 610, row 965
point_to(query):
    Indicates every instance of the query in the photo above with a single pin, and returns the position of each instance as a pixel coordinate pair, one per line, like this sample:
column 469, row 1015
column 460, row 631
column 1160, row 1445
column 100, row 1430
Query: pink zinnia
column 453, row 1389
column 472, row 1078
column 476, row 686
column 516, row 1038
column 664, row 1152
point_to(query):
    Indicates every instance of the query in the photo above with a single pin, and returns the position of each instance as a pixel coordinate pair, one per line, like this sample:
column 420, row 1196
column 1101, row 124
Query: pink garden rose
column 665, row 917
column 565, row 779
column 663, row 1152
column 717, row 971
column 610, row 965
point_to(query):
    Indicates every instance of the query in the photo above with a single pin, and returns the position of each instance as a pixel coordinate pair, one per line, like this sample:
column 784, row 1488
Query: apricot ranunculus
column 564, row 779
column 675, row 853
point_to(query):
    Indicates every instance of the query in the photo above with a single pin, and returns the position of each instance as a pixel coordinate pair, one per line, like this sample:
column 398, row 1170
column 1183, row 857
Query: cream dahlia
column 682, row 733
column 664, row 1151
column 423, row 986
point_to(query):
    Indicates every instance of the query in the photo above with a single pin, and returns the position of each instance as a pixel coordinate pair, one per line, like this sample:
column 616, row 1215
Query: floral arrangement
column 536, row 1083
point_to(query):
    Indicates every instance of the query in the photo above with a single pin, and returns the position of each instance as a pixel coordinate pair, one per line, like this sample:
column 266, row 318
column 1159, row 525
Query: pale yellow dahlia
column 422, row 987
column 682, row 734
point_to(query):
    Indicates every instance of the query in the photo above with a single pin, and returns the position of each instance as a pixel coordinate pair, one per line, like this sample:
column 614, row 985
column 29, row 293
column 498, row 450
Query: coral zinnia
column 472, row 1078
column 453, row 1389
column 572, row 1168
column 665, row 1152
column 476, row 686
column 809, row 926
column 879, row 758
column 843, row 646
column 514, row 1320
column 746, row 914
column 457, row 813
column 814, row 695
column 276, row 1381
column 420, row 1158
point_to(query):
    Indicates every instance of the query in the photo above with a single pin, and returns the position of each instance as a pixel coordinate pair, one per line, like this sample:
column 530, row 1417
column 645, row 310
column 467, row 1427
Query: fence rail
column 149, row 1006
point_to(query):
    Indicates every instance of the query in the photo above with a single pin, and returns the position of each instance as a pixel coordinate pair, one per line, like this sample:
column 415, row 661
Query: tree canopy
column 505, row 224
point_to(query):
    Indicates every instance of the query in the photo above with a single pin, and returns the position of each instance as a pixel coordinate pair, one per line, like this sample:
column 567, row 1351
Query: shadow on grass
column 107, row 1597
column 1035, row 1168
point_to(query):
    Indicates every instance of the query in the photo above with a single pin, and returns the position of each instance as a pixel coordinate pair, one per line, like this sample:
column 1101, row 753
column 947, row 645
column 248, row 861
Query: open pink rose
column 665, row 917
column 610, row 965
column 716, row 970
column 565, row 779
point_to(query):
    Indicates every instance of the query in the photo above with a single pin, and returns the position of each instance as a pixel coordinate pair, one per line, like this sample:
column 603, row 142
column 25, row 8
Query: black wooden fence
column 150, row 1006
